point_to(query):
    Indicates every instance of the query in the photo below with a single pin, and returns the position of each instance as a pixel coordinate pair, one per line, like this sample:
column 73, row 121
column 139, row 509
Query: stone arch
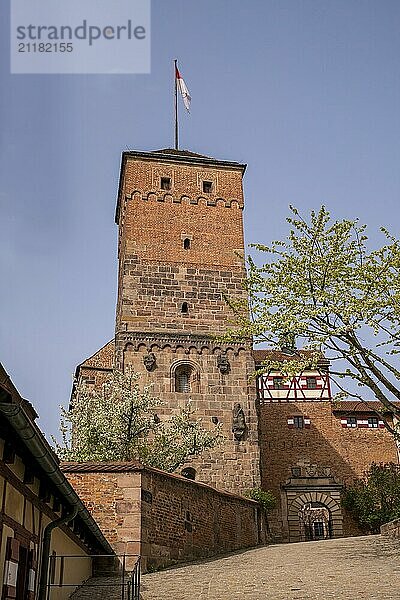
column 329, row 501
column 127, row 355
column 185, row 373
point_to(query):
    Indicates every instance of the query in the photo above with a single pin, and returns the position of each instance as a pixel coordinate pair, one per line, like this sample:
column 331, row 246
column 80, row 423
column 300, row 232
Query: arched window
column 186, row 244
column 189, row 473
column 183, row 376
column 184, row 308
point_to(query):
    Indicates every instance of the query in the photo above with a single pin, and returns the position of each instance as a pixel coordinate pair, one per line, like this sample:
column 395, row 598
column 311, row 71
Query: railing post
column 123, row 578
column 138, row 575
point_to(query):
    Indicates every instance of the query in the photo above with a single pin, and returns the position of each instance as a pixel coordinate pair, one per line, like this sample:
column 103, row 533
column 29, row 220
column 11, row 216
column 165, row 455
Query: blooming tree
column 120, row 422
column 323, row 287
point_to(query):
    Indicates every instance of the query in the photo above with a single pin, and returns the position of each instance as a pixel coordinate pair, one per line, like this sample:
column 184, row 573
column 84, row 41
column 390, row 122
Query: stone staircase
column 100, row 588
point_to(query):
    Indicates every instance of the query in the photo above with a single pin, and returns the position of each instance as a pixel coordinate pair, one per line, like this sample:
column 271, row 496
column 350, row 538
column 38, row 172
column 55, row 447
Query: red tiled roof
column 359, row 406
column 102, row 467
column 103, row 358
column 279, row 355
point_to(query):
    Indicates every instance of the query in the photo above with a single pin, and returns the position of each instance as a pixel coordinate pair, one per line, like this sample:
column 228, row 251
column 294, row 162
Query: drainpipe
column 44, row 568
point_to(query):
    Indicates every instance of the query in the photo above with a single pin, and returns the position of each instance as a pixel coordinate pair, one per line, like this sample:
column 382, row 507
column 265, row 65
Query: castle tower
column 180, row 247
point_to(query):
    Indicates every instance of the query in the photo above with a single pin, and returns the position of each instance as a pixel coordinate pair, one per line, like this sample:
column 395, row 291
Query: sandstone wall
column 165, row 518
column 158, row 275
column 391, row 529
column 324, row 449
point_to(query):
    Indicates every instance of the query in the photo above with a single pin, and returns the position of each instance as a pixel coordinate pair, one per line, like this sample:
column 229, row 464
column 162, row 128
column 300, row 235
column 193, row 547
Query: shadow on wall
column 305, row 449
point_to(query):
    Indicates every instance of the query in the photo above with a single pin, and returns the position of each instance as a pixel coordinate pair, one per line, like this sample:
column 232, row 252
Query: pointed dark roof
column 176, row 152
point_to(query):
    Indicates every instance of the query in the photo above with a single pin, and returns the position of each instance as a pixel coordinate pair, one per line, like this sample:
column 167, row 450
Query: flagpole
column 176, row 106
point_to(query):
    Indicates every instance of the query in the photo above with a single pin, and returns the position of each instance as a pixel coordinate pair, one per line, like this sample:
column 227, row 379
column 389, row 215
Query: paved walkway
column 351, row 568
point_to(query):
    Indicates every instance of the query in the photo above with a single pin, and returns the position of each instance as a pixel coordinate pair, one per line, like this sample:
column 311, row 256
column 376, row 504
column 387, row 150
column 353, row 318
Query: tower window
column 186, row 244
column 373, row 422
column 184, row 308
column 165, row 183
column 182, row 379
column 351, row 422
column 207, row 187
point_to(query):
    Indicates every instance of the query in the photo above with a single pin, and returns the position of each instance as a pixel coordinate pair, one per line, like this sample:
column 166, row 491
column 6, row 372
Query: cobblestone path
column 351, row 568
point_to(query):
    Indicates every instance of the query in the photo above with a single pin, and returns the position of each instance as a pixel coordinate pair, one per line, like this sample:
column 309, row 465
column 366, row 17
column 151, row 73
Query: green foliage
column 375, row 499
column 264, row 497
column 118, row 422
column 324, row 288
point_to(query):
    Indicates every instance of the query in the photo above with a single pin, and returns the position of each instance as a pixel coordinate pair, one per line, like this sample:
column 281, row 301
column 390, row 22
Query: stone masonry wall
column 233, row 465
column 345, row 452
column 156, row 273
column 391, row 529
column 184, row 520
column 164, row 517
column 113, row 498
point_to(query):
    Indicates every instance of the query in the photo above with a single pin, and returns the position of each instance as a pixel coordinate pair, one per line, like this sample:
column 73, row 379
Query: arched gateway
column 312, row 508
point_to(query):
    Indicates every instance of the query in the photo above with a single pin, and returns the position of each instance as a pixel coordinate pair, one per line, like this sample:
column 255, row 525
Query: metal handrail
column 134, row 582
column 130, row 581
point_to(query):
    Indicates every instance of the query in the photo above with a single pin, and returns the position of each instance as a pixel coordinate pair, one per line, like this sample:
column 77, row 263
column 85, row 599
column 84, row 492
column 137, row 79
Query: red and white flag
column 183, row 89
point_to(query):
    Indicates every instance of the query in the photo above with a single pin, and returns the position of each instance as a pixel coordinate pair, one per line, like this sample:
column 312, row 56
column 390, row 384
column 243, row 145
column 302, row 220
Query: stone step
column 99, row 588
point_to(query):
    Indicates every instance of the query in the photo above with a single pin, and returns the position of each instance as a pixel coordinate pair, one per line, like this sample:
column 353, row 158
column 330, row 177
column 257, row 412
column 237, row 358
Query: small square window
column 278, row 383
column 296, row 472
column 298, row 422
column 351, row 422
column 207, row 187
column 311, row 383
column 165, row 183
column 373, row 422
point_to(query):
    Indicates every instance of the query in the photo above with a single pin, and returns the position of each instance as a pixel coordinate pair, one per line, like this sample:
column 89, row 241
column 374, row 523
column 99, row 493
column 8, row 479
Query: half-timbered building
column 42, row 519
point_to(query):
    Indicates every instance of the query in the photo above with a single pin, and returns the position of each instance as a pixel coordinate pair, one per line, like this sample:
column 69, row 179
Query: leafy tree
column 264, row 497
column 375, row 499
column 119, row 422
column 325, row 288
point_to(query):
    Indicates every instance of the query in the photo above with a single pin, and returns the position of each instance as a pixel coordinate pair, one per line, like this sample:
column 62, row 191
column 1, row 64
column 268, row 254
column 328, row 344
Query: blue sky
column 306, row 92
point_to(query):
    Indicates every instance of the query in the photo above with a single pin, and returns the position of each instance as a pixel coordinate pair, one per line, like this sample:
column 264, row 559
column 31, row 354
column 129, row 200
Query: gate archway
column 315, row 522
column 314, row 515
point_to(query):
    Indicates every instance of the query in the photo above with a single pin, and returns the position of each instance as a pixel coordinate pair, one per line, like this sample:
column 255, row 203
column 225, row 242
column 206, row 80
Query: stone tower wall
column 157, row 275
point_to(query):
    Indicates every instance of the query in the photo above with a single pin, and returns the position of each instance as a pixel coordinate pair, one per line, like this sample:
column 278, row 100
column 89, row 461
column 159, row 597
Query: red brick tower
column 180, row 240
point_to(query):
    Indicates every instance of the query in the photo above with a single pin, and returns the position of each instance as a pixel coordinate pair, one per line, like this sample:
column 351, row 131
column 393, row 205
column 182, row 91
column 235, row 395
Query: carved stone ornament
column 149, row 361
column 311, row 470
column 238, row 422
column 223, row 363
